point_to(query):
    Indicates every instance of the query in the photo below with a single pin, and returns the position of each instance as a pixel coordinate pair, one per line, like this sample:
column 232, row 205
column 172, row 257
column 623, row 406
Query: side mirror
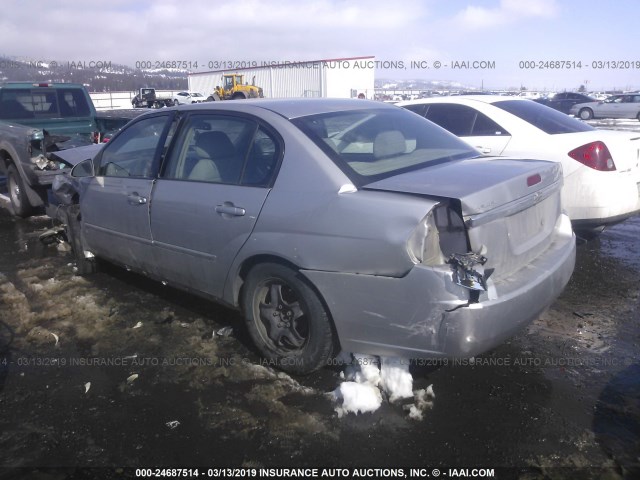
column 83, row 169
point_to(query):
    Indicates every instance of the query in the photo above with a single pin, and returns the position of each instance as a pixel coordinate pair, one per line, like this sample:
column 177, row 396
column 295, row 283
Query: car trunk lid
column 510, row 207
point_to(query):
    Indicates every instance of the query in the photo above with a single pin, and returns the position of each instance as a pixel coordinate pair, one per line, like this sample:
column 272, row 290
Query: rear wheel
column 286, row 319
column 586, row 114
column 17, row 193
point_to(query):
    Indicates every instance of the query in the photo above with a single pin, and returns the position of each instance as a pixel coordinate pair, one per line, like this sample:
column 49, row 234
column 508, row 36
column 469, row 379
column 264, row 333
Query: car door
column 209, row 195
column 471, row 125
column 610, row 108
column 629, row 106
column 115, row 202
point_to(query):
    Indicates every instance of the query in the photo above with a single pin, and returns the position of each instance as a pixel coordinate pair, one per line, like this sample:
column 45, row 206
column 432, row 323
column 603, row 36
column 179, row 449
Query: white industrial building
column 335, row 78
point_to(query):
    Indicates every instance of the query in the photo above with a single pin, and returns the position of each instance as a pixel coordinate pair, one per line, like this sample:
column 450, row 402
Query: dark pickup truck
column 36, row 120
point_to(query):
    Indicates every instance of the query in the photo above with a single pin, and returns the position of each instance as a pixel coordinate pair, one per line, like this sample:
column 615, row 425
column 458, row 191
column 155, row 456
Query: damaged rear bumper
column 416, row 316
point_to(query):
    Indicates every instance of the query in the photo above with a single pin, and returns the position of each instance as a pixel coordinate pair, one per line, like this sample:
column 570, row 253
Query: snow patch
column 423, row 400
column 395, row 378
column 368, row 377
column 357, row 398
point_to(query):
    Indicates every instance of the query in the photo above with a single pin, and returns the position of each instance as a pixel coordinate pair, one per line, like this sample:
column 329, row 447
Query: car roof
column 290, row 107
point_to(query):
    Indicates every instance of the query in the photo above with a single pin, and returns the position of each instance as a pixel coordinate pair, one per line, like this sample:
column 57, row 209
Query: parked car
column 616, row 106
column 563, row 101
column 182, row 98
column 601, row 171
column 37, row 119
column 330, row 224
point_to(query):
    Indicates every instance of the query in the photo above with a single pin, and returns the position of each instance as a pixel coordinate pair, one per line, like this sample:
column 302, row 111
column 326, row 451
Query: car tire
column 176, row 103
column 286, row 319
column 17, row 193
column 586, row 114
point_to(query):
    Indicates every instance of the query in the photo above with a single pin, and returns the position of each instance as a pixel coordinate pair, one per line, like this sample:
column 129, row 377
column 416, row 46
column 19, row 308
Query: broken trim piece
column 468, row 270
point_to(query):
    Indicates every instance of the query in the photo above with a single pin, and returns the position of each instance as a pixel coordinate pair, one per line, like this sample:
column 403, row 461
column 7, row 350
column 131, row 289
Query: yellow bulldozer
column 234, row 88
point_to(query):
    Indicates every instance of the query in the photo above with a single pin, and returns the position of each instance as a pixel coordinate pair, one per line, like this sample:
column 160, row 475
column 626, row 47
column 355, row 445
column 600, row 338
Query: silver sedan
column 330, row 224
column 616, row 106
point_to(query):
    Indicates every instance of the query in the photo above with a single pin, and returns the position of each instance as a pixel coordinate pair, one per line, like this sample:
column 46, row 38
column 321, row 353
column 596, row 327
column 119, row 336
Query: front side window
column 458, row 119
column 464, row 121
column 419, row 108
column 372, row 144
column 133, row 153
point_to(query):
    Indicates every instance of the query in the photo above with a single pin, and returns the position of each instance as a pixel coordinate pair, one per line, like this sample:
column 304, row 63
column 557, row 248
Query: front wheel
column 286, row 319
column 17, row 193
column 586, row 114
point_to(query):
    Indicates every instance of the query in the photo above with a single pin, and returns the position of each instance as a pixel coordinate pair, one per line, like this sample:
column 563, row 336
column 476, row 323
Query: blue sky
column 505, row 32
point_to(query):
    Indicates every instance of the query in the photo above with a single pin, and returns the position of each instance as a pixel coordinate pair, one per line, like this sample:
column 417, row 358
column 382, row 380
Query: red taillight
column 594, row 155
column 533, row 180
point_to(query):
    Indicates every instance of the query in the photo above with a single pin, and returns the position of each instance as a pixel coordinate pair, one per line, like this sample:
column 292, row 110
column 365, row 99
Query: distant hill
column 108, row 77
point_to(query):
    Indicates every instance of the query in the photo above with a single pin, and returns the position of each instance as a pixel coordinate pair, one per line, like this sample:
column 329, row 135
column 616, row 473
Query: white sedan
column 182, row 98
column 601, row 167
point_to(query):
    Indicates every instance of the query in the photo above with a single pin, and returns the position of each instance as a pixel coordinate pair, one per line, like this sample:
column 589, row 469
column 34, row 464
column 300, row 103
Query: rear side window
column 545, row 118
column 463, row 121
column 43, row 103
column 224, row 149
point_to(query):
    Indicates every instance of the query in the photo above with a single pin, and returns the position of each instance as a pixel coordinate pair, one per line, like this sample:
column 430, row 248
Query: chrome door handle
column 135, row 199
column 230, row 209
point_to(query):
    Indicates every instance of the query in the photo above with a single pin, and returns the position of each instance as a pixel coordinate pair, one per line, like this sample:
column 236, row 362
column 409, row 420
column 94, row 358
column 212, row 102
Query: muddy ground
column 115, row 371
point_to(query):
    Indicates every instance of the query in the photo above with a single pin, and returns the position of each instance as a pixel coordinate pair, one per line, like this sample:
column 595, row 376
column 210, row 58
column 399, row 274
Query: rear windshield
column 43, row 103
column 369, row 145
column 545, row 118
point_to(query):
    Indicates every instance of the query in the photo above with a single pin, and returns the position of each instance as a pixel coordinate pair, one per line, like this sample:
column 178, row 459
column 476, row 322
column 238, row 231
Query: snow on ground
column 395, row 378
column 368, row 377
